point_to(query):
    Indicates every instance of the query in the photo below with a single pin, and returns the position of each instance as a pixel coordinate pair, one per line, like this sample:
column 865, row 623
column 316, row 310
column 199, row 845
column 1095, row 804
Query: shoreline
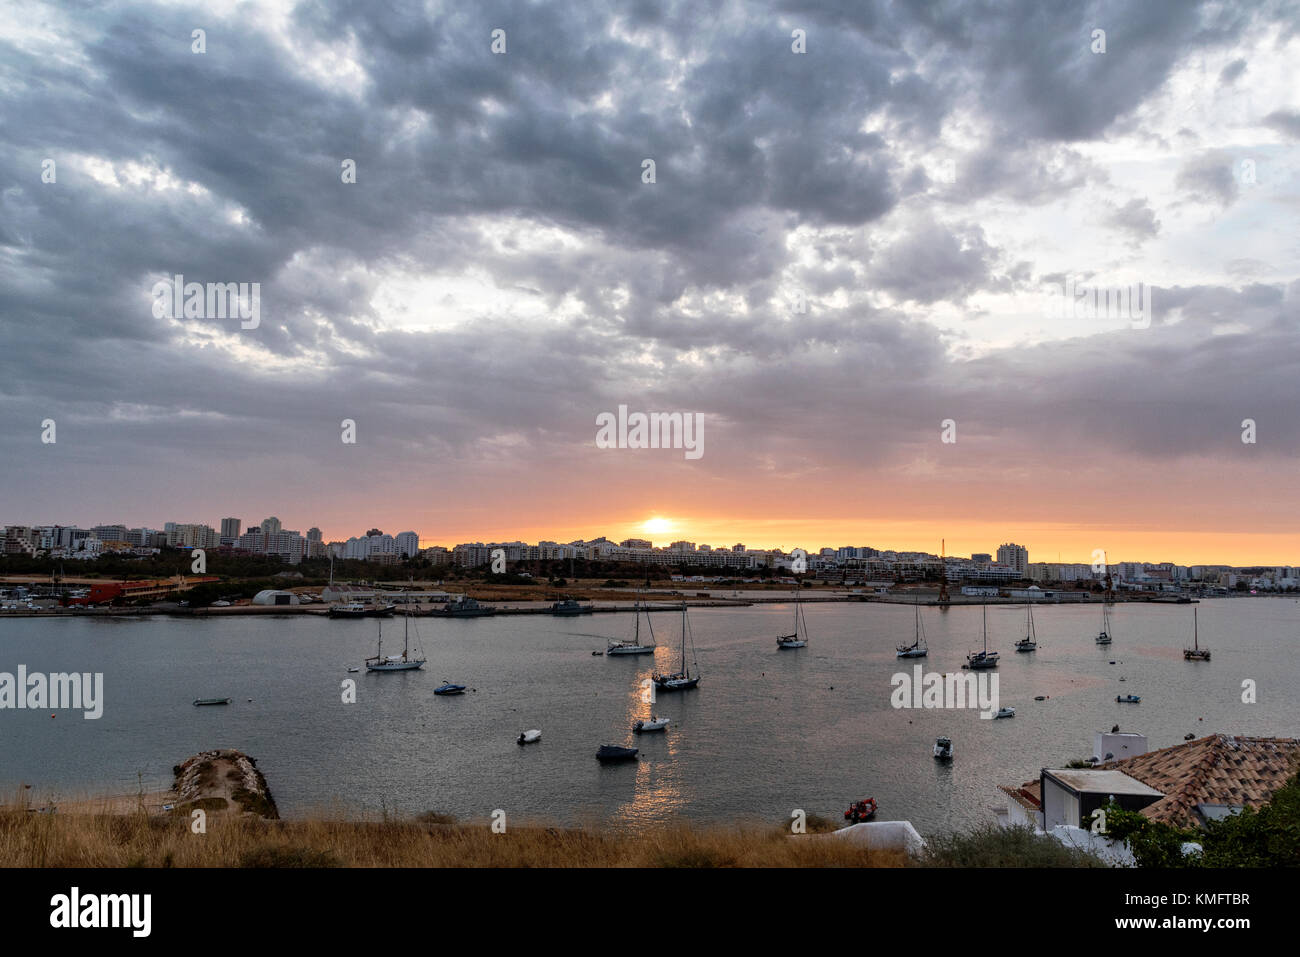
column 543, row 606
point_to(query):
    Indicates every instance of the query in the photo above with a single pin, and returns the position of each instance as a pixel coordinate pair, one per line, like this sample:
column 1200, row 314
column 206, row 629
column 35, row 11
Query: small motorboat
column 653, row 724
column 1040, row 697
column 943, row 749
column 860, row 811
column 1005, row 713
column 200, row 702
column 1128, row 698
column 598, row 654
column 612, row 752
column 529, row 737
column 353, row 671
column 1188, row 736
column 449, row 688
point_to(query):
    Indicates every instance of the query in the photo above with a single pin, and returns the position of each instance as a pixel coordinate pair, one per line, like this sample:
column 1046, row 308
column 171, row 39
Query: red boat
column 862, row 811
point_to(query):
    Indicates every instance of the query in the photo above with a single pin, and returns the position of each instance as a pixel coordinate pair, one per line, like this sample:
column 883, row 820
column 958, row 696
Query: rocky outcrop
column 224, row 780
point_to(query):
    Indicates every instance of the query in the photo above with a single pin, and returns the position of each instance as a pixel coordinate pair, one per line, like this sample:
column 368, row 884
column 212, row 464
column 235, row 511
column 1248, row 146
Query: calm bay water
column 765, row 733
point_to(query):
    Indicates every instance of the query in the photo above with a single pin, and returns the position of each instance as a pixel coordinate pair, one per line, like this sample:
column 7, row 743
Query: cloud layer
column 841, row 249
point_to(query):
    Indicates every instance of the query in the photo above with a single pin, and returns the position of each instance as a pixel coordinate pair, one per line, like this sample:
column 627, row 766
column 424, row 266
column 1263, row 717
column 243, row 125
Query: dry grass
column 30, row 839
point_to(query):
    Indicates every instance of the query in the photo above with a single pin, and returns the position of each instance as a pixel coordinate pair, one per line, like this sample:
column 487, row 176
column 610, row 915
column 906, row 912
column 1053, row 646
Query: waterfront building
column 1014, row 556
column 407, row 544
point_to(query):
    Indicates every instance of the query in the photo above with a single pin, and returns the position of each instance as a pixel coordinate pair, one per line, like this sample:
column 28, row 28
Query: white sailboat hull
column 395, row 665
column 630, row 650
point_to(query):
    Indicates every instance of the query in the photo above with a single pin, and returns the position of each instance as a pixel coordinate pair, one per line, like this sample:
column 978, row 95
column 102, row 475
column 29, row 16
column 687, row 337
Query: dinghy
column 612, row 752
column 860, row 811
column 528, row 737
column 449, row 688
column 652, row 724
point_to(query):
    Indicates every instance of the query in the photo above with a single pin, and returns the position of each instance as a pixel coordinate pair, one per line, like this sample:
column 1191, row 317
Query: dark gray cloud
column 1285, row 121
column 1136, row 219
column 1208, row 178
column 777, row 175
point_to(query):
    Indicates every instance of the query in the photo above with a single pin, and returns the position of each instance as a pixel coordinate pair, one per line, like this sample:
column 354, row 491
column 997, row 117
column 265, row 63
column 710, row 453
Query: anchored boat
column 356, row 609
column 681, row 679
column 983, row 660
column 943, row 749
column 610, row 752
column 860, row 811
column 529, row 737
column 1103, row 637
column 651, row 724
column 403, row 662
column 200, row 702
column 798, row 639
column 918, row 647
column 1196, row 652
column 448, row 688
column 568, row 608
column 463, row 607
column 1030, row 641
column 634, row 645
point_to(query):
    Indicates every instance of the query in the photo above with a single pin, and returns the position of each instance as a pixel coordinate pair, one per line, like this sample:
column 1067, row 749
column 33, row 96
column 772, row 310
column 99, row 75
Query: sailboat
column 633, row 646
column 682, row 679
column 1104, row 637
column 402, row 662
column 1030, row 641
column 1196, row 652
column 983, row 660
column 918, row 648
column 795, row 640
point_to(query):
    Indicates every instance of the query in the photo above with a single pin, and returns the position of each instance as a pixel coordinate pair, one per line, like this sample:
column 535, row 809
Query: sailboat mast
column 1196, row 634
column 683, row 668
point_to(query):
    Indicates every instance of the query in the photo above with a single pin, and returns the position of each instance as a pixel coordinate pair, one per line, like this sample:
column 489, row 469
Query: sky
column 841, row 270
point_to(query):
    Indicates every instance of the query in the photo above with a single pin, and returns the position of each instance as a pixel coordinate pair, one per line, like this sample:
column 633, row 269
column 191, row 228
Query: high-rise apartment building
column 1014, row 556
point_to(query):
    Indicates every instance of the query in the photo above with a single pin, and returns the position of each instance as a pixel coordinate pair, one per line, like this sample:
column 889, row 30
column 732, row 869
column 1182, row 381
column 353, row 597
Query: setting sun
column 657, row 526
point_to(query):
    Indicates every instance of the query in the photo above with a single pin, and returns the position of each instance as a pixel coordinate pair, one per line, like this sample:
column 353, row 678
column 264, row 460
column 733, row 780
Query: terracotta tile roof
column 1028, row 795
column 1218, row 769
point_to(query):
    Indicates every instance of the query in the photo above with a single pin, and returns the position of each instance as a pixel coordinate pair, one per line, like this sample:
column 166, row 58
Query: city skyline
column 660, row 535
